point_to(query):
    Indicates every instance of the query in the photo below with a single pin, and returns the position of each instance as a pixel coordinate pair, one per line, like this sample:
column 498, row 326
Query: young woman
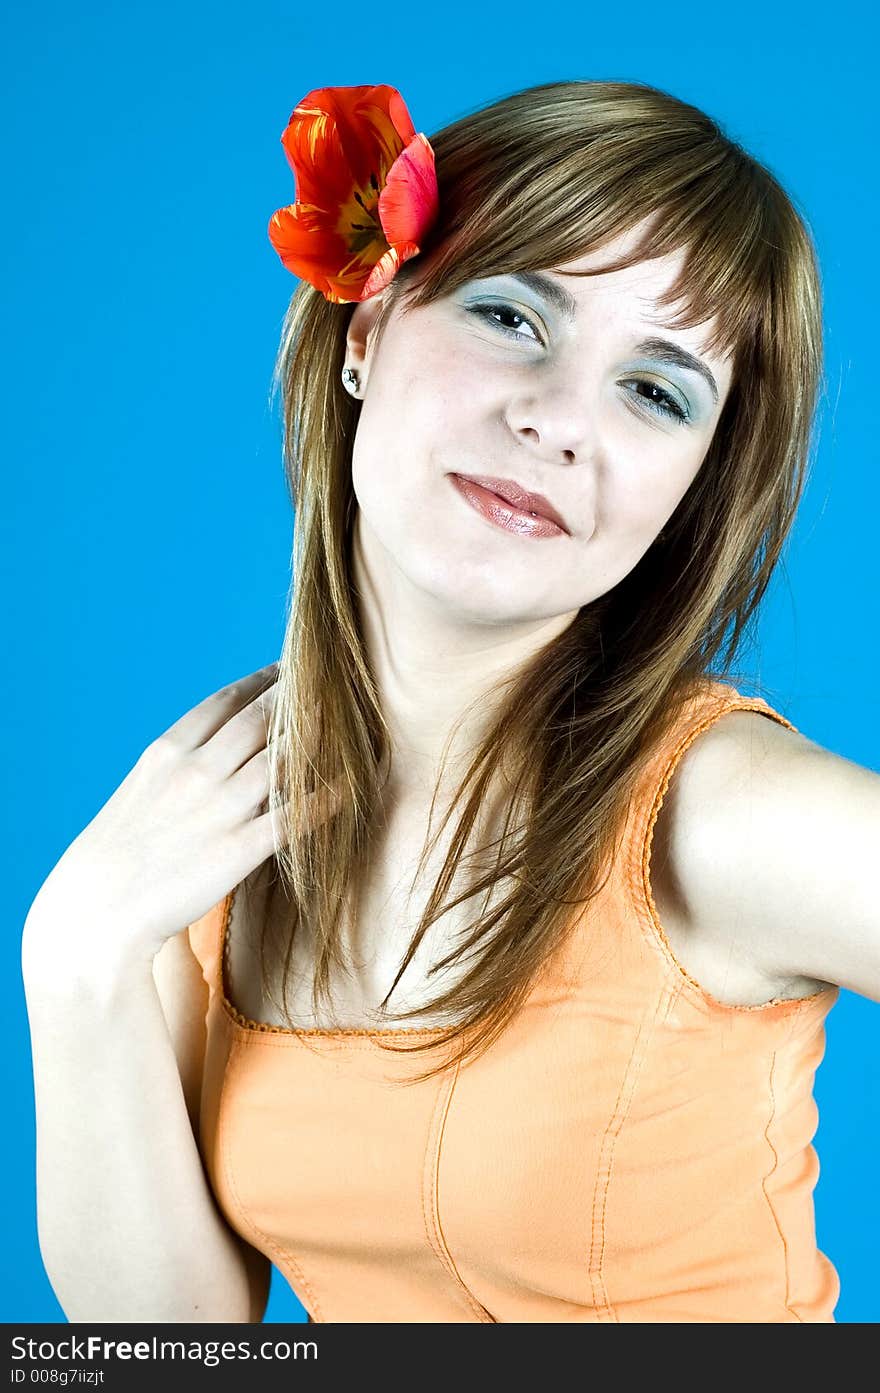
column 513, row 925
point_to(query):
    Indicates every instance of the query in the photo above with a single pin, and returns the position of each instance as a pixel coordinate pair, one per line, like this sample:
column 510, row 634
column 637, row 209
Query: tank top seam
column 430, row 1189
column 667, row 996
column 285, row 1259
column 661, row 769
column 786, row 1264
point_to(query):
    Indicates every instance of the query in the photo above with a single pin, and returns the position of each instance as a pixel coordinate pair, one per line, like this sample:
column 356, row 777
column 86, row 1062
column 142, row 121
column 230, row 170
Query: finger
column 251, row 777
column 208, row 716
column 265, row 834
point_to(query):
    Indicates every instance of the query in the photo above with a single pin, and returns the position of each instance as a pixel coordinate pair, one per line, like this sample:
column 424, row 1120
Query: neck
column 440, row 675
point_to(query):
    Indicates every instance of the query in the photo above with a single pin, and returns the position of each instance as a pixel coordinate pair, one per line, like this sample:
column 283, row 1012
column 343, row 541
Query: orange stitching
column 266, row 1028
column 221, row 951
column 629, row 1082
column 764, row 1178
column 601, row 1303
column 430, row 1177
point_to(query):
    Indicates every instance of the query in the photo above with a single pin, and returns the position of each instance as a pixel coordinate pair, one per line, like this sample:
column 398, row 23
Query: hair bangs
column 535, row 194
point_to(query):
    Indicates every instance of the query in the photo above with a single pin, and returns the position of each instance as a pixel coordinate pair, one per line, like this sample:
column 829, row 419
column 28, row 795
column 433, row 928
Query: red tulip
column 366, row 191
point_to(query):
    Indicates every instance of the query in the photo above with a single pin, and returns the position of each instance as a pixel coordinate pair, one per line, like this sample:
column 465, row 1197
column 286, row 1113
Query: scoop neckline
column 269, row 1028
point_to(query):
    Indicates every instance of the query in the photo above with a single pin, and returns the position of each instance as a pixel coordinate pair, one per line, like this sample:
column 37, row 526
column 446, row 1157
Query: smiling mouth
column 504, row 514
column 518, row 497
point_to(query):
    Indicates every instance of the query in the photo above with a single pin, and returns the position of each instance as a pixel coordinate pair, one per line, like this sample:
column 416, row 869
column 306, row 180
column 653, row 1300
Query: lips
column 511, row 492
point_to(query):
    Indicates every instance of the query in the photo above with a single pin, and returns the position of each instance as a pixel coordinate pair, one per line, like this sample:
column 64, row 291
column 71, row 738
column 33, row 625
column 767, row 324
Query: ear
column 358, row 335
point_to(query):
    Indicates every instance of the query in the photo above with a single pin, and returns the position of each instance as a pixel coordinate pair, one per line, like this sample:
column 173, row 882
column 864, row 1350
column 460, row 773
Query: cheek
column 632, row 511
column 388, row 451
column 640, row 504
column 391, row 482
column 415, row 423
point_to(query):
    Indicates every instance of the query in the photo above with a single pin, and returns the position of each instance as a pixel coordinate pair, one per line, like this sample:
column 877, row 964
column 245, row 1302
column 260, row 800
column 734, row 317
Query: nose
column 556, row 425
column 554, row 419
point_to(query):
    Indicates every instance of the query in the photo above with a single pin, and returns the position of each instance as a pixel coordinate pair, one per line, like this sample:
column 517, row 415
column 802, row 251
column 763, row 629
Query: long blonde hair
column 530, row 181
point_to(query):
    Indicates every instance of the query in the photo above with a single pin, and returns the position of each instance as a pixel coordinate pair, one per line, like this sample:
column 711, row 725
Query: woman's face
column 497, row 380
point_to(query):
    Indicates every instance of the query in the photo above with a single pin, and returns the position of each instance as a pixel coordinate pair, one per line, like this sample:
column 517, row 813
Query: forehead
column 633, row 292
column 645, row 281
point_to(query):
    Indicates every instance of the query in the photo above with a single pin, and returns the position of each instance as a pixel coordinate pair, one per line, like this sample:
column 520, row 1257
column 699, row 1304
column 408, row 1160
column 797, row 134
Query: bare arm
column 799, row 827
column 127, row 1224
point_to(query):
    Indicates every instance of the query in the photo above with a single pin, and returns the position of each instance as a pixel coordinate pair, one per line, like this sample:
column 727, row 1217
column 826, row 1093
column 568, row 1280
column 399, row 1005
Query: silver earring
column 350, row 380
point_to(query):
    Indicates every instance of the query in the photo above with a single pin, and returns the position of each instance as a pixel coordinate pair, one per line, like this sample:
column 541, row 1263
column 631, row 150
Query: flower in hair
column 366, row 191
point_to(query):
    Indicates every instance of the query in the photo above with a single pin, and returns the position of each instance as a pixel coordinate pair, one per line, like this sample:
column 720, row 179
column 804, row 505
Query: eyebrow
column 664, row 350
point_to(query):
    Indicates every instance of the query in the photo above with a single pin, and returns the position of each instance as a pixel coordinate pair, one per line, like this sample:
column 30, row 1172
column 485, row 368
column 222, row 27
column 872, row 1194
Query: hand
column 183, row 828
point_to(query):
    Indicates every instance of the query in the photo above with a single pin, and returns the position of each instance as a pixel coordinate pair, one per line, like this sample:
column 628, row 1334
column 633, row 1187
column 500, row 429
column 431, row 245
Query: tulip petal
column 409, row 201
column 383, row 273
column 348, row 134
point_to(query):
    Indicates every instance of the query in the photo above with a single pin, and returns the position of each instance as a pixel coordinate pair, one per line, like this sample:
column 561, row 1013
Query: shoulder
column 767, row 839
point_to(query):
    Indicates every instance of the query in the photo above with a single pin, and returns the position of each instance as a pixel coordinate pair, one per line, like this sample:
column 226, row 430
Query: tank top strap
column 702, row 710
column 714, row 700
column 207, row 937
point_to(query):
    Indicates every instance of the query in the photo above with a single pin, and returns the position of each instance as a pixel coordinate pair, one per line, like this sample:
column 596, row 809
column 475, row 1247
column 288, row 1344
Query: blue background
column 146, row 528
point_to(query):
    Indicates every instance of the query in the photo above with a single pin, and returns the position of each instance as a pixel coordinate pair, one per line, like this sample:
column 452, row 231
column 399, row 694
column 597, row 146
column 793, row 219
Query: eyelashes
column 666, row 406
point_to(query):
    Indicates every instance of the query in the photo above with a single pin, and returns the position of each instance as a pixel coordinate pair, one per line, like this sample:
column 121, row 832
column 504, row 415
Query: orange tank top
column 628, row 1149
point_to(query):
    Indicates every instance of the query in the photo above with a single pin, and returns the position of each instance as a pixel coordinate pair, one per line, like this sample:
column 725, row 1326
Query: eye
column 663, row 404
column 485, row 310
